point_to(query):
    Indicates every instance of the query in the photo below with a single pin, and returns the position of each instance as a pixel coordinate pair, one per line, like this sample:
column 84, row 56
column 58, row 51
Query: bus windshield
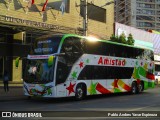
column 38, row 71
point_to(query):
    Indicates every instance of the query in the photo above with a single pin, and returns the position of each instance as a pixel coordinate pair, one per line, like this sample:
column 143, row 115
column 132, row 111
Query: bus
column 72, row 65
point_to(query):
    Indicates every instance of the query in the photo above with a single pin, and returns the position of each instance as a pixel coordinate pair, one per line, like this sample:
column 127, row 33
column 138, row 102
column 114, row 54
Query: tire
column 141, row 87
column 156, row 82
column 80, row 92
column 29, row 97
column 134, row 89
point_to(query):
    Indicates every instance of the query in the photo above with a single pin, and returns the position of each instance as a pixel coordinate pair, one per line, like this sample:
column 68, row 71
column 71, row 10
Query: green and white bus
column 71, row 65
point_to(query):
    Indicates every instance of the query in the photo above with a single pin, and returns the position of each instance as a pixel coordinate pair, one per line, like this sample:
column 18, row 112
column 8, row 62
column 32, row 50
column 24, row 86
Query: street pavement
column 14, row 93
column 16, row 101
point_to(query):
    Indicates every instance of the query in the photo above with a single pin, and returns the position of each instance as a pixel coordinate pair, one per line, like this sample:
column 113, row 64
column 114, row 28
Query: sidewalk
column 15, row 92
column 13, row 83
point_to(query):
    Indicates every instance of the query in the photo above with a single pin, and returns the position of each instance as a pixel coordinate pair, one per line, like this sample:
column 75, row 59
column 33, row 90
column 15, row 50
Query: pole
column 85, row 20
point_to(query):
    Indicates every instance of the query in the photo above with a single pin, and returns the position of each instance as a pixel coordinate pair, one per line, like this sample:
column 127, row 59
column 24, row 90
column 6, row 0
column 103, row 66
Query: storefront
column 20, row 24
column 11, row 46
column 16, row 39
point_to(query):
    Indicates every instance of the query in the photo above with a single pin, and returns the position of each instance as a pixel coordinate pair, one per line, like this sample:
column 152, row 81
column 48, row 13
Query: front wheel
column 29, row 97
column 80, row 92
column 134, row 89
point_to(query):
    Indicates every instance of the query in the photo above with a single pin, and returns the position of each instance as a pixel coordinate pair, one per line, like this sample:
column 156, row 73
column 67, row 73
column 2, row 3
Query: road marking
column 62, row 105
column 142, row 107
column 100, row 109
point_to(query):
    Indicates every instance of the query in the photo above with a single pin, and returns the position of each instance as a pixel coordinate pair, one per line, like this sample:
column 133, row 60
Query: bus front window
column 38, row 71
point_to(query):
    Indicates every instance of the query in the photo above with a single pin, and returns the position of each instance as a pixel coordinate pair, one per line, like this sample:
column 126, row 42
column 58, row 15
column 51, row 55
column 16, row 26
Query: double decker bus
column 71, row 65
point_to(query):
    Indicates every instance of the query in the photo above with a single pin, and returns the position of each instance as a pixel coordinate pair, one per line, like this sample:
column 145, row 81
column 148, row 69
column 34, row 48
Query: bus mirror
column 50, row 60
column 17, row 62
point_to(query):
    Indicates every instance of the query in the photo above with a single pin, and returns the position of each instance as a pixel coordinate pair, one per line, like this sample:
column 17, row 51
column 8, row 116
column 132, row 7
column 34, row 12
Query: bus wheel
column 141, row 87
column 80, row 92
column 134, row 89
column 29, row 97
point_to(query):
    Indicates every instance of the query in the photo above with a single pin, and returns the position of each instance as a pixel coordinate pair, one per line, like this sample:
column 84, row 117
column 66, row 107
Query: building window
column 143, row 11
column 139, row 17
column 145, row 24
column 146, row 5
column 158, row 1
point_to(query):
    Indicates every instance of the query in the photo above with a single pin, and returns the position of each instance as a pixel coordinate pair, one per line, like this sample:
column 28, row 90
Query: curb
column 13, row 85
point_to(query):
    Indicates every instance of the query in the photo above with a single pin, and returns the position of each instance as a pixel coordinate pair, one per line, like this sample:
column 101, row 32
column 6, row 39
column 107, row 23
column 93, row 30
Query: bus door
column 62, row 72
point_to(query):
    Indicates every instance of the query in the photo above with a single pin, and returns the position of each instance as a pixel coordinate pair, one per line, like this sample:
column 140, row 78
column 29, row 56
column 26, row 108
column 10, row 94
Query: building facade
column 142, row 14
column 21, row 23
column 142, row 39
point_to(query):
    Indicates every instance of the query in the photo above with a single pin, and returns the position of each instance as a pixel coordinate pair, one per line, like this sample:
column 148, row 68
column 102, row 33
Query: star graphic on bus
column 74, row 74
column 87, row 61
column 81, row 64
column 92, row 88
column 145, row 66
column 70, row 88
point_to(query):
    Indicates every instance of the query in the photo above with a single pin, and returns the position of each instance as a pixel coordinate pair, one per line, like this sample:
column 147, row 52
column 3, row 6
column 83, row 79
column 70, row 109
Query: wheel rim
column 140, row 87
column 134, row 89
column 79, row 93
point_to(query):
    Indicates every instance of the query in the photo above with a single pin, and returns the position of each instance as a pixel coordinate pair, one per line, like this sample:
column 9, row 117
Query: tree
column 130, row 40
column 122, row 39
column 114, row 38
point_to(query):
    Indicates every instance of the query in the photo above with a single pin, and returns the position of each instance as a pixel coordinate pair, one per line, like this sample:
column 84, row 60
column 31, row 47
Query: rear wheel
column 140, row 87
column 80, row 92
column 156, row 82
column 134, row 89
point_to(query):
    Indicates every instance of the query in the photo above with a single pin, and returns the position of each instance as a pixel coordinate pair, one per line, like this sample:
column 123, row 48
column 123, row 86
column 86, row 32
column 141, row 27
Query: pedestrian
column 5, row 81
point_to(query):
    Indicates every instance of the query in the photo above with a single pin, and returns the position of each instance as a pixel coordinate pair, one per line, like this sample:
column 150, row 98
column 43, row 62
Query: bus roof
column 106, row 41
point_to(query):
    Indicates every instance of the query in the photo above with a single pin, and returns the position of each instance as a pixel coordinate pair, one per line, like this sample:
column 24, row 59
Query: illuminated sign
column 45, row 41
column 40, row 50
column 37, row 56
